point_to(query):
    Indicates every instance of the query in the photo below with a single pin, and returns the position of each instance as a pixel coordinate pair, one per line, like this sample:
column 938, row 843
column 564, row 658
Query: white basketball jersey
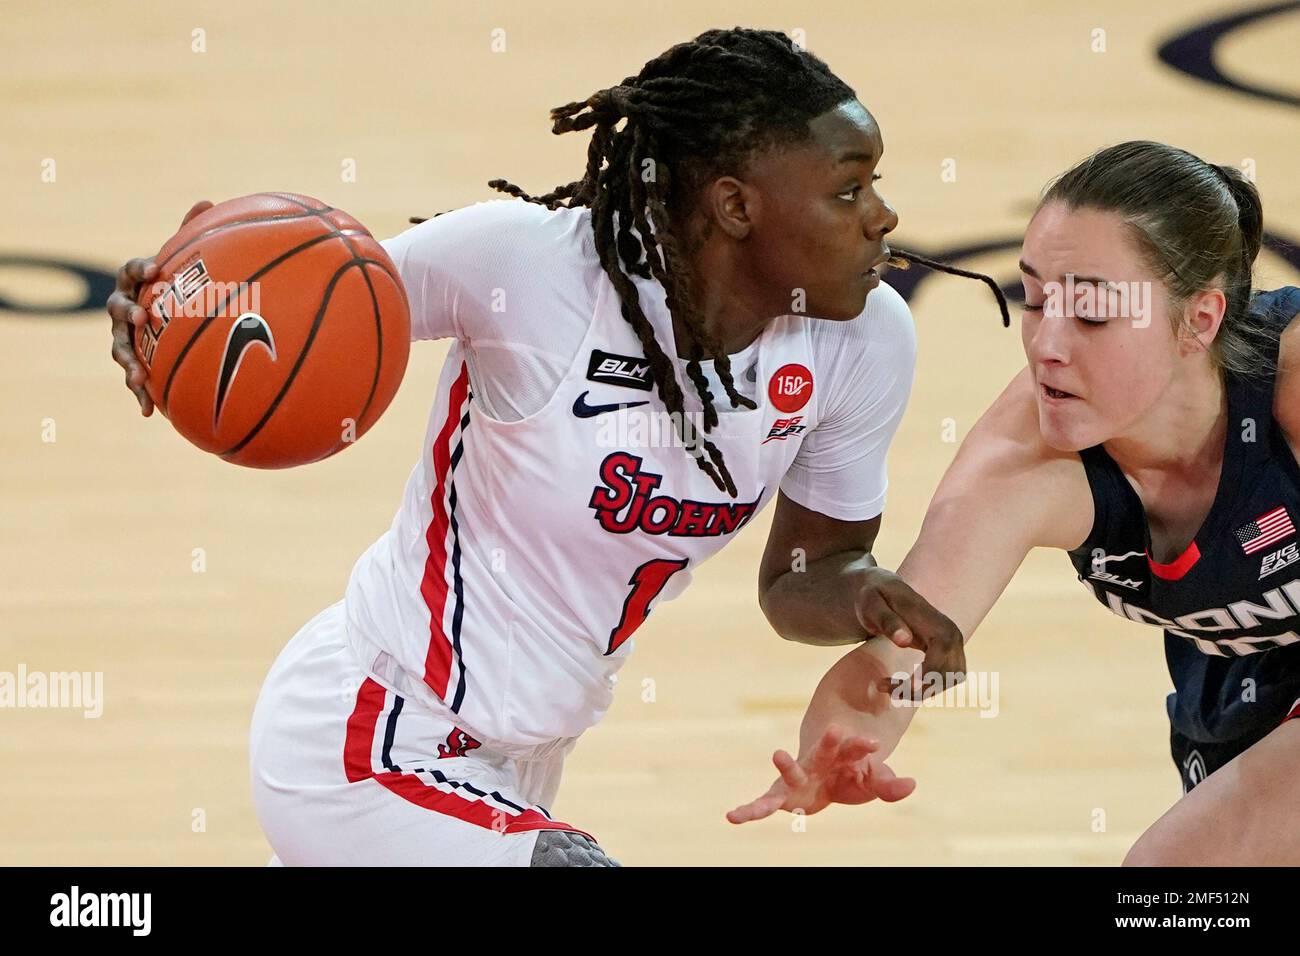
column 526, row 553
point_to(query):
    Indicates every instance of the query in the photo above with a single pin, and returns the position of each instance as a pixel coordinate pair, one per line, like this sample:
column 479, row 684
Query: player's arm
column 818, row 582
column 433, row 290
column 808, row 573
column 462, row 268
column 1004, row 494
column 1286, row 393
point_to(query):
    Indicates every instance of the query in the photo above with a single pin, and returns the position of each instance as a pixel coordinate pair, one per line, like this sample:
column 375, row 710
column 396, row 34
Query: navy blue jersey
column 1230, row 604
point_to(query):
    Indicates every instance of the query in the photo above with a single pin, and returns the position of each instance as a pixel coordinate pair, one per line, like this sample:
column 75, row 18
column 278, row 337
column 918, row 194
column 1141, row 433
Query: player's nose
column 879, row 219
column 1050, row 343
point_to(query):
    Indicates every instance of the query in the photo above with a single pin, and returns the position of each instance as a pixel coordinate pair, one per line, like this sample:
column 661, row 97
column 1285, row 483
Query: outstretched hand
column 838, row 770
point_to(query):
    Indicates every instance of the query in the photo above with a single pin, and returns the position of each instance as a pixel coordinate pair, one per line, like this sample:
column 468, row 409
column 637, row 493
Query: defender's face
column 1096, row 328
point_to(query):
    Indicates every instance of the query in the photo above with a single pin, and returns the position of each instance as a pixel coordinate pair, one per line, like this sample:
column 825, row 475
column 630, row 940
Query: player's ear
column 1202, row 316
column 731, row 204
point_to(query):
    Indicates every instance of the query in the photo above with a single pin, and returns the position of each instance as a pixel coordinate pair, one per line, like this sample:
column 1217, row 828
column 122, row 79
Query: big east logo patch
column 783, row 428
column 791, row 387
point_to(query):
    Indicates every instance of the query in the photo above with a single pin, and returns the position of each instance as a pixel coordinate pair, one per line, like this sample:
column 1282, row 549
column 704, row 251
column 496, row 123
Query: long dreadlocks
column 693, row 113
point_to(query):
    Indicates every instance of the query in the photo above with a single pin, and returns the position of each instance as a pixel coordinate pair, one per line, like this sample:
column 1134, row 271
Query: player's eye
column 1033, row 308
column 851, row 195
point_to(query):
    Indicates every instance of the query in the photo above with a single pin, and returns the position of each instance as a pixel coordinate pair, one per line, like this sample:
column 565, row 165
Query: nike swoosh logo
column 583, row 410
column 249, row 329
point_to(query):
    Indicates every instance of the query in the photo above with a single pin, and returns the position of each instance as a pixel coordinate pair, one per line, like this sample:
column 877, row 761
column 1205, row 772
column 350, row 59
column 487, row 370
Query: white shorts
column 347, row 773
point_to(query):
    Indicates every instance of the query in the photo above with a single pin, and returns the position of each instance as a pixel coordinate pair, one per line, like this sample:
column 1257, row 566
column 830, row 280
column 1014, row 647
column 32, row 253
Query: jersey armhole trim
column 583, row 347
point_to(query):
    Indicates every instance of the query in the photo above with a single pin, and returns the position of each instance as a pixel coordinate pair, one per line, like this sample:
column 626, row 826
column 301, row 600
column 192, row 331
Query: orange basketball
column 278, row 330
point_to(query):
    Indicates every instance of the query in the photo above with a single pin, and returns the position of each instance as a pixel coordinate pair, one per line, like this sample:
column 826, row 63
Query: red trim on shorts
column 359, row 743
column 414, row 790
column 1293, row 712
column 358, row 747
column 1178, row 567
column 438, row 658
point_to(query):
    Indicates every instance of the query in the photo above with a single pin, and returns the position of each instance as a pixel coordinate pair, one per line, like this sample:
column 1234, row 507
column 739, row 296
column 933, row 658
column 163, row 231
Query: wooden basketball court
column 179, row 577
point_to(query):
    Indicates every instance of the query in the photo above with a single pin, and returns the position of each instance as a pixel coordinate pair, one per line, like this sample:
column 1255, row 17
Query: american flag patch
column 1264, row 530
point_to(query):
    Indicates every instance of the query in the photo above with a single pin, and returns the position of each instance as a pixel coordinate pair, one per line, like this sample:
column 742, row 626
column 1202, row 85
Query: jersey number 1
column 647, row 581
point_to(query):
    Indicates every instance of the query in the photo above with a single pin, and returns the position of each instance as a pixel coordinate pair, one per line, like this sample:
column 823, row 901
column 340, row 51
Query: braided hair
column 693, row 113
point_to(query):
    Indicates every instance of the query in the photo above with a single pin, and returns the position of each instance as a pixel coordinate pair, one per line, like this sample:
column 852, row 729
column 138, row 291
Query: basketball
column 277, row 332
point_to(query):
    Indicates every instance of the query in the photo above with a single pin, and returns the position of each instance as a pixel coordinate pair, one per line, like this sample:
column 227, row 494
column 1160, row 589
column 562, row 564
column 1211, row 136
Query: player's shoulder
column 1005, row 458
column 884, row 325
column 496, row 231
column 1007, row 434
column 499, row 214
column 1286, row 391
column 879, row 341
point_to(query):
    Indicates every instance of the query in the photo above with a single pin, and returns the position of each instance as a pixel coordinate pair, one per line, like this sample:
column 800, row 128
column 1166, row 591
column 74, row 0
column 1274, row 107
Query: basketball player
column 1157, row 445
column 728, row 200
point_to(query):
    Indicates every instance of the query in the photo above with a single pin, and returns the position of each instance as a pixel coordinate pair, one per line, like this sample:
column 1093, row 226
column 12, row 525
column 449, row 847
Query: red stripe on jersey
column 358, row 746
column 360, row 739
column 1178, row 567
column 437, row 660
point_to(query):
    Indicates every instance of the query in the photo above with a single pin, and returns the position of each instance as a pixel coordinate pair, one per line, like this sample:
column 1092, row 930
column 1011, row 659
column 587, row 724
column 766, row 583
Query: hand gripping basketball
column 127, row 316
column 271, row 330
